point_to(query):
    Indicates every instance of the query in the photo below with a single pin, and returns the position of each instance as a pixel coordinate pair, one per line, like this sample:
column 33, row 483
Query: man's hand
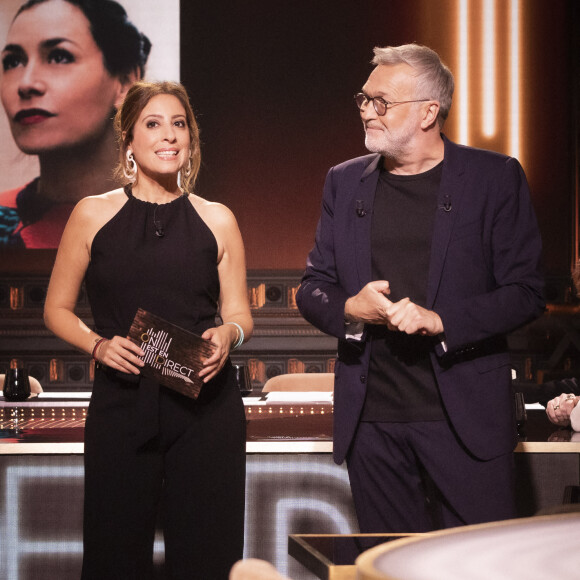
column 372, row 306
column 369, row 305
column 406, row 316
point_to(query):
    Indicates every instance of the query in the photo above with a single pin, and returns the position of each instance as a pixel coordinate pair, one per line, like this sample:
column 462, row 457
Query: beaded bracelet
column 240, row 339
column 98, row 342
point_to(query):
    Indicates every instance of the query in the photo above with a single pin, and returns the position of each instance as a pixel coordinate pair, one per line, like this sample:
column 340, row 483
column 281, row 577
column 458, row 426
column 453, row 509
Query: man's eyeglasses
column 380, row 105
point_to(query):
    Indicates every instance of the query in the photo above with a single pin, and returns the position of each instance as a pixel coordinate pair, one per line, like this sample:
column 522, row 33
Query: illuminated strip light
column 489, row 69
column 515, row 78
column 463, row 73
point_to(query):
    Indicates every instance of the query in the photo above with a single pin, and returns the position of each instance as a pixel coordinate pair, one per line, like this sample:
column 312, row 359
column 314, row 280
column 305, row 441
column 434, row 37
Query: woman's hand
column 559, row 408
column 222, row 337
column 120, row 354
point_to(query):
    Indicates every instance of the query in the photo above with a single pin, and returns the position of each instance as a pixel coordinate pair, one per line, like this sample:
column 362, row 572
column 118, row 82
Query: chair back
column 300, row 382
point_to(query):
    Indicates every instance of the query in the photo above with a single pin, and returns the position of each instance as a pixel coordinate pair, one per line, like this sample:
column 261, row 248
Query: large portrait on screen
column 66, row 64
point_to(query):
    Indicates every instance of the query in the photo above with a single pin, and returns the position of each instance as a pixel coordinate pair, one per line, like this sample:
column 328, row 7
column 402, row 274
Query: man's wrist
column 348, row 316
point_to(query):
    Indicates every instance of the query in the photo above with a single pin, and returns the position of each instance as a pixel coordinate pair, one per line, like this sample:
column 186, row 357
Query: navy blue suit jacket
column 483, row 281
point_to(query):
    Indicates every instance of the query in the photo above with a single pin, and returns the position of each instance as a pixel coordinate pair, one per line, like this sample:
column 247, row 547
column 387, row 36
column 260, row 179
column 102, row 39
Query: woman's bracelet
column 98, row 342
column 240, row 338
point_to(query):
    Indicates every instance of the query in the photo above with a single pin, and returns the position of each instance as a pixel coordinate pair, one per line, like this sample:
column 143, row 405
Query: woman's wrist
column 239, row 339
column 96, row 346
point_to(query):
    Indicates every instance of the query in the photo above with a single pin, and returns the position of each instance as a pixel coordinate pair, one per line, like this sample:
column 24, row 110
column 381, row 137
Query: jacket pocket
column 491, row 362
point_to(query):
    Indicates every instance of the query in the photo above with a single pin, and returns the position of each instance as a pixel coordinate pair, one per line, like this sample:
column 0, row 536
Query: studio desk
column 293, row 486
column 53, row 423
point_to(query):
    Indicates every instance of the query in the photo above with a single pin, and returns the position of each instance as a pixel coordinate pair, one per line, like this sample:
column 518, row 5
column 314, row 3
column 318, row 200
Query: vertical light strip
column 515, row 64
column 489, row 69
column 576, row 215
column 463, row 73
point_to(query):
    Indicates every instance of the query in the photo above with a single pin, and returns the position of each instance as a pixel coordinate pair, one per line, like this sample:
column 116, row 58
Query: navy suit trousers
column 417, row 477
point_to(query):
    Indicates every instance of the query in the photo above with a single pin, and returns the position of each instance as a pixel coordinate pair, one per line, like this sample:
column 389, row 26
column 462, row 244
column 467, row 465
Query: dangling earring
column 187, row 172
column 183, row 174
column 130, row 168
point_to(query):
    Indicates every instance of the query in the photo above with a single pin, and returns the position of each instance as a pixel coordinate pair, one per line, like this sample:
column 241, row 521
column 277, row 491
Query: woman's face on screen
column 55, row 88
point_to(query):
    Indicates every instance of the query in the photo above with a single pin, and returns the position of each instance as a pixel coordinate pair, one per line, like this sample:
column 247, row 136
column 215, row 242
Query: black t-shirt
column 401, row 384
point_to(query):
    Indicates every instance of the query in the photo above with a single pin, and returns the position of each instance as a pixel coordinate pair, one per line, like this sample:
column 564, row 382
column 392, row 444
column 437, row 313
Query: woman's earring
column 184, row 174
column 130, row 168
column 187, row 172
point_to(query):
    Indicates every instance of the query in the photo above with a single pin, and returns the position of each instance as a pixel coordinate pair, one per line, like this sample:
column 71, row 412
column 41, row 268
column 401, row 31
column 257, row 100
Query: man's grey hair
column 434, row 79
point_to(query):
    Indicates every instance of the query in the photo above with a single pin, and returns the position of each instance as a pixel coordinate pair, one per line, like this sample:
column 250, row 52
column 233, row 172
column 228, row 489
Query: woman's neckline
column 128, row 189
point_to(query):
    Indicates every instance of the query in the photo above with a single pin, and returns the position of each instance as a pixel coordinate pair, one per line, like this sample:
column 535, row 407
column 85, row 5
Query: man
column 426, row 255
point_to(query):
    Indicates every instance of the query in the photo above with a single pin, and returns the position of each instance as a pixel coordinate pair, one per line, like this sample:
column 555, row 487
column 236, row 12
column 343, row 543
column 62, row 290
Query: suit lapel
column 451, row 193
column 363, row 200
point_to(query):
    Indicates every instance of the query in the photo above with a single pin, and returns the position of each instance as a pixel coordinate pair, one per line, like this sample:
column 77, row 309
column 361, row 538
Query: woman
column 154, row 245
column 67, row 64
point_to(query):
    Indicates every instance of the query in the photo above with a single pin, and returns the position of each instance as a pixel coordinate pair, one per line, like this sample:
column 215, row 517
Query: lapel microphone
column 159, row 231
column 446, row 203
column 360, row 209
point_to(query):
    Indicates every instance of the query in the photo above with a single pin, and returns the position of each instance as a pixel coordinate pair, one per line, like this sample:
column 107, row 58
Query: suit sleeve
column 321, row 297
column 511, row 252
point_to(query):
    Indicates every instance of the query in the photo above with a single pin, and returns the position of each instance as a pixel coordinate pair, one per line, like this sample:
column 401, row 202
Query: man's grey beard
column 392, row 152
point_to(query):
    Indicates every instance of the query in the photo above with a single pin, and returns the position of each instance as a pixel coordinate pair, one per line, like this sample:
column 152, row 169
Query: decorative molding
column 282, row 341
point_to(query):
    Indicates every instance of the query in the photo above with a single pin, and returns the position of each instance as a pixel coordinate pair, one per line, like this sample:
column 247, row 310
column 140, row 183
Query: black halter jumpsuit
column 145, row 445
